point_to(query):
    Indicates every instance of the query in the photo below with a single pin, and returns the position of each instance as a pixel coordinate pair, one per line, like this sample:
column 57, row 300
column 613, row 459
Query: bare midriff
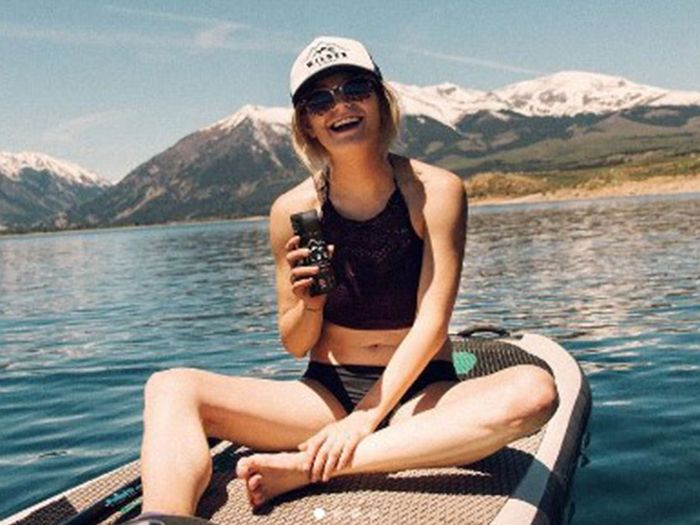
column 349, row 346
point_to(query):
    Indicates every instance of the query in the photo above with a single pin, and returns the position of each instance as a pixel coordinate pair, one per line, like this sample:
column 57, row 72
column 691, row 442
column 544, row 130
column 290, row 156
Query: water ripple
column 86, row 317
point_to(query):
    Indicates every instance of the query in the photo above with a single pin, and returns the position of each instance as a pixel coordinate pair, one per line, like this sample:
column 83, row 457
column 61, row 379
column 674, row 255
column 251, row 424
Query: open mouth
column 346, row 124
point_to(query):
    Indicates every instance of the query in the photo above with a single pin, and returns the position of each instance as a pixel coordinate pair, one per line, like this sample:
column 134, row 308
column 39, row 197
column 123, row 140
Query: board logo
column 324, row 54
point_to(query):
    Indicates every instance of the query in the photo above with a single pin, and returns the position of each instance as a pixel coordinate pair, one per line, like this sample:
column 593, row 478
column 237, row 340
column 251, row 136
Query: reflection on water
column 617, row 282
column 86, row 317
column 584, row 269
column 81, row 294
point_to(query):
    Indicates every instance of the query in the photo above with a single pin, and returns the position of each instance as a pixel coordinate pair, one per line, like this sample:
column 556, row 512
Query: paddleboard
column 527, row 482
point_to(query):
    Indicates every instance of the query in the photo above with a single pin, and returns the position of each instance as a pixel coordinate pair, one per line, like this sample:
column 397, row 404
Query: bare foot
column 269, row 475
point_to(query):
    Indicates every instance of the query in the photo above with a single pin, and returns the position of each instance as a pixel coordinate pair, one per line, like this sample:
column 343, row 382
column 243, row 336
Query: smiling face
column 347, row 123
column 306, row 127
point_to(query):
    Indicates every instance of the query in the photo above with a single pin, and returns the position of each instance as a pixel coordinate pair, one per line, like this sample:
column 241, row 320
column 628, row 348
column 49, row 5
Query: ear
column 307, row 127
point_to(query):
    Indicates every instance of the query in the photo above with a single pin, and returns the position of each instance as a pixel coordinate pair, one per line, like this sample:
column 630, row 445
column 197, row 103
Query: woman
column 380, row 380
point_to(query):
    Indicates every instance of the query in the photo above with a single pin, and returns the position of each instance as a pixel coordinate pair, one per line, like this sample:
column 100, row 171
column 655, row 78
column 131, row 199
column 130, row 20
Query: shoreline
column 97, row 229
column 658, row 185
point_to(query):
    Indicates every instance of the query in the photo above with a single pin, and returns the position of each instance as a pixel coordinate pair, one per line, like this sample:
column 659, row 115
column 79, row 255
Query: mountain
column 236, row 166
column 563, row 94
column 573, row 92
column 35, row 186
column 447, row 103
column 228, row 169
column 563, row 121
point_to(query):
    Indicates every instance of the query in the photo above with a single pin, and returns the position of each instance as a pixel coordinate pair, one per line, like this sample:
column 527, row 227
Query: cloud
column 105, row 39
column 70, row 131
column 214, row 37
column 165, row 15
column 215, row 33
column 472, row 61
column 218, row 35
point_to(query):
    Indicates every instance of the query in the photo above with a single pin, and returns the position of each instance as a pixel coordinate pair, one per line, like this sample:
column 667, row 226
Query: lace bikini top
column 377, row 265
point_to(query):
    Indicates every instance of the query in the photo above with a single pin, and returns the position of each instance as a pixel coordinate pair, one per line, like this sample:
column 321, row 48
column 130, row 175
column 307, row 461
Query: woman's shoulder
column 301, row 197
column 431, row 182
column 435, row 196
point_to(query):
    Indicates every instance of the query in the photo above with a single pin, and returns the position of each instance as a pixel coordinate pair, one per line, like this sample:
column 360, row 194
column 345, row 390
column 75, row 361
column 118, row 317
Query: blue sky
column 110, row 84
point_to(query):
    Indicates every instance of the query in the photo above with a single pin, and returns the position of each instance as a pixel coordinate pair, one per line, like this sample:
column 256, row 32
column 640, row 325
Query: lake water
column 86, row 317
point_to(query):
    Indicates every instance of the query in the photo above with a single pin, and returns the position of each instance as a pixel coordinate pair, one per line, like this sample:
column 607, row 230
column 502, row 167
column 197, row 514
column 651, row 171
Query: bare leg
column 476, row 418
column 184, row 406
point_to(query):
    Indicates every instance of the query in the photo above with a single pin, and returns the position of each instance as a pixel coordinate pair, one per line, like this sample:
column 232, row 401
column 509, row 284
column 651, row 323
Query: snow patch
column 12, row 165
column 447, row 103
column 570, row 93
column 566, row 93
column 277, row 118
column 267, row 123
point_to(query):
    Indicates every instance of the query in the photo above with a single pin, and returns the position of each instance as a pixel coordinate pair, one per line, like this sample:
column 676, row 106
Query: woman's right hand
column 301, row 277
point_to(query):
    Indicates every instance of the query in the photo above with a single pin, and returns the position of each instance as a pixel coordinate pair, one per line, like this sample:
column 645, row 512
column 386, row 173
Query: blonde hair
column 314, row 155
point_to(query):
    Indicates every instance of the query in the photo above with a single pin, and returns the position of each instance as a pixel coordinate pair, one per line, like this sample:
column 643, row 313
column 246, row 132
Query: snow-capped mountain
column 567, row 93
column 15, row 165
column 35, row 187
column 237, row 165
column 267, row 125
column 570, row 93
column 227, row 169
column 277, row 118
column 446, row 103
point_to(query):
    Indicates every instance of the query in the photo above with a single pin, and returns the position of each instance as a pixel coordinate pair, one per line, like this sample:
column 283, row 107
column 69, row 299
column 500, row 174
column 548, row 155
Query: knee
column 534, row 399
column 170, row 385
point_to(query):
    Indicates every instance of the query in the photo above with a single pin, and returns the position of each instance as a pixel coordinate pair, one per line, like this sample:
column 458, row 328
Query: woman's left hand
column 332, row 447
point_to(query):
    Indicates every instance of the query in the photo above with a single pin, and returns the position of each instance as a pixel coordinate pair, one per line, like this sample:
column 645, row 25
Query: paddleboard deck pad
column 528, row 482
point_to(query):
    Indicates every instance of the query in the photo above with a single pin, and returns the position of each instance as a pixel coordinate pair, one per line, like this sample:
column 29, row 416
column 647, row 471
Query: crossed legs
column 474, row 418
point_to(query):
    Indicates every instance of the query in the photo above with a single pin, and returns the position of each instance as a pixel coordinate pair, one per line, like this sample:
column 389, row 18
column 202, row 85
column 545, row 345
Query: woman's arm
column 445, row 219
column 300, row 316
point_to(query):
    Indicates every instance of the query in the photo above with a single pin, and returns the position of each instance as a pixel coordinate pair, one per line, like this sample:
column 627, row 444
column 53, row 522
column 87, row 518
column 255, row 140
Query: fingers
column 332, row 460
column 346, row 455
column 312, row 447
column 329, row 451
column 292, row 243
column 301, row 277
column 296, row 256
column 302, row 272
column 320, row 460
column 332, row 456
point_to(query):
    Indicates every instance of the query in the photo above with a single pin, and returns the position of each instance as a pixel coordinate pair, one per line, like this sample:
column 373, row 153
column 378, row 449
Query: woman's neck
column 366, row 177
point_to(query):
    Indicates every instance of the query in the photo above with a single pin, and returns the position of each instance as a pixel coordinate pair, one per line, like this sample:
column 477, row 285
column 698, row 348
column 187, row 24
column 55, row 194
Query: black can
column 308, row 227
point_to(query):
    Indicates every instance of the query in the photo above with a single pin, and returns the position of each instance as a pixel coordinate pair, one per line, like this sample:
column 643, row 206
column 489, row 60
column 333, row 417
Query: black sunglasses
column 354, row 89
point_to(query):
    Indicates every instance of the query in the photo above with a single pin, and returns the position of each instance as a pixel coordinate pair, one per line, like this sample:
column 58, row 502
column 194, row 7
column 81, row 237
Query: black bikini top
column 377, row 265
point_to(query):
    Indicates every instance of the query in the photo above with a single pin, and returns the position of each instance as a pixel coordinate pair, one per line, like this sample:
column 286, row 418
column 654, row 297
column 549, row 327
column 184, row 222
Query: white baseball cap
column 326, row 53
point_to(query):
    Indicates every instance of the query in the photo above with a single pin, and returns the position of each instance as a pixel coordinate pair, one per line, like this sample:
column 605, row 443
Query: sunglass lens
column 357, row 89
column 320, row 101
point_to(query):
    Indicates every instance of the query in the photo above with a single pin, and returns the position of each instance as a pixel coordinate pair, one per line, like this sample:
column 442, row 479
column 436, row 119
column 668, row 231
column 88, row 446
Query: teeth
column 343, row 122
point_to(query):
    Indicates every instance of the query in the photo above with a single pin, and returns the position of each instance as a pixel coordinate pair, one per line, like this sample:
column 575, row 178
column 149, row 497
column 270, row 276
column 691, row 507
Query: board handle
column 484, row 329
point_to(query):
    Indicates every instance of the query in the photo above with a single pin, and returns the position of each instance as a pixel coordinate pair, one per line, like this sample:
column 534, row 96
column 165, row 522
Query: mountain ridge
column 12, row 165
column 565, row 93
column 34, row 187
column 235, row 166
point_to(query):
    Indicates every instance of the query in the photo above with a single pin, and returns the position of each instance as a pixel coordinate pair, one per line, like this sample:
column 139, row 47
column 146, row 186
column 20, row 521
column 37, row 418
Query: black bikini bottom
column 350, row 383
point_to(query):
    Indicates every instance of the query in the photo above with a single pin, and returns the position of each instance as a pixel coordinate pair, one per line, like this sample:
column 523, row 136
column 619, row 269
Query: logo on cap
column 325, row 54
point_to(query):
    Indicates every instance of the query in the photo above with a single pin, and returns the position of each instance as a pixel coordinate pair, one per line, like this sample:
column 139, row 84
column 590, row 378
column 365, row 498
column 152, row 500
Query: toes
column 255, row 482
column 243, row 468
column 255, row 492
